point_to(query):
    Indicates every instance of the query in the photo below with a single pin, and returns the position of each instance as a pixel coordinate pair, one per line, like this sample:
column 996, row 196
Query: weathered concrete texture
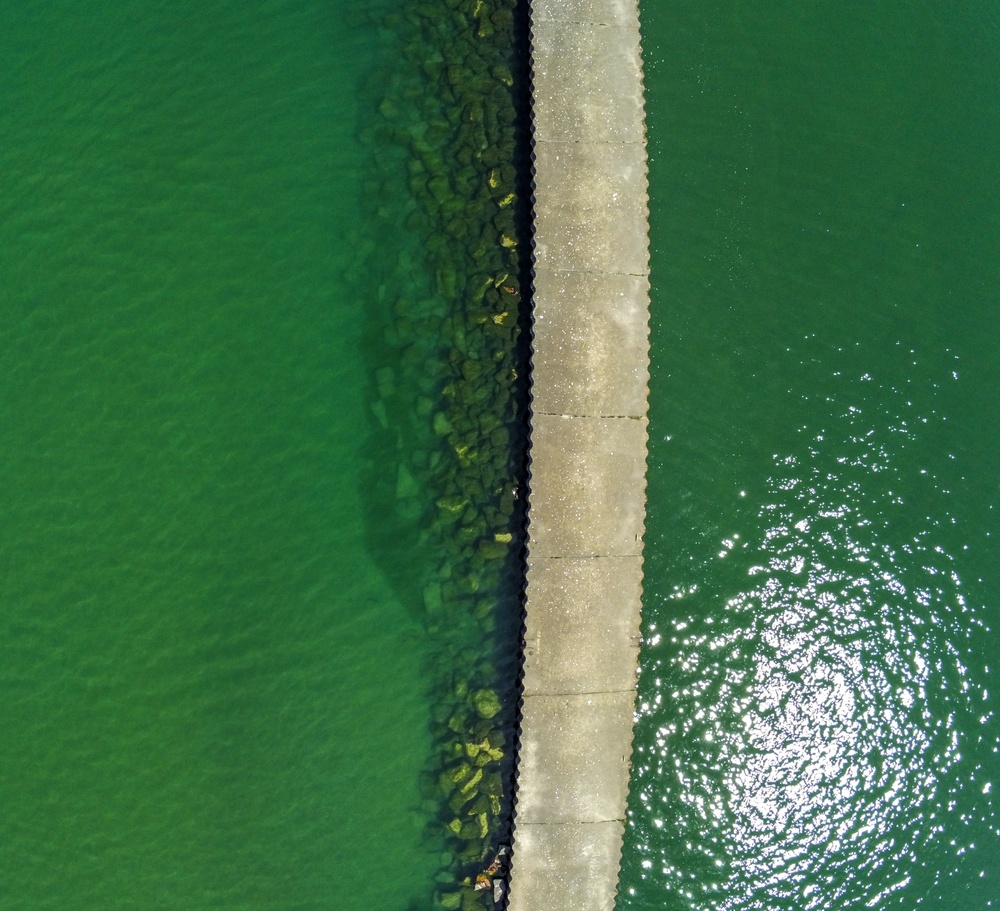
column 590, row 205
column 590, row 381
column 594, row 325
column 570, row 864
column 624, row 13
column 584, row 83
column 585, row 778
column 587, row 486
column 575, row 594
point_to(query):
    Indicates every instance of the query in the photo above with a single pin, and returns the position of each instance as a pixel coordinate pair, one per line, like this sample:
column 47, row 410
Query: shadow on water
column 444, row 234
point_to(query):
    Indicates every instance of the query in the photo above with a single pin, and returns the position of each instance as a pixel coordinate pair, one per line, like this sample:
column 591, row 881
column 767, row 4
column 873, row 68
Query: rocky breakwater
column 449, row 393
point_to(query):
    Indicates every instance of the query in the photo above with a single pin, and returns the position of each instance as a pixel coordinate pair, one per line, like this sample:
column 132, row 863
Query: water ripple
column 803, row 735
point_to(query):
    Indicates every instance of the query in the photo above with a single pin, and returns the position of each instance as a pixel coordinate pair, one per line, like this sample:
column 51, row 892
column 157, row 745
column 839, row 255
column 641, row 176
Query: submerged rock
column 447, row 402
column 487, row 703
column 406, row 486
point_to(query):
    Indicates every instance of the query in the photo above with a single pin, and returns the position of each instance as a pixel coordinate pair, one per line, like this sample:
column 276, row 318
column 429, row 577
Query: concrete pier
column 588, row 455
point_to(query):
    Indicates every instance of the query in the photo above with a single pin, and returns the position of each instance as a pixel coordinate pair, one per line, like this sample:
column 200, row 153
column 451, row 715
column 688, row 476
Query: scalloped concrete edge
column 588, row 438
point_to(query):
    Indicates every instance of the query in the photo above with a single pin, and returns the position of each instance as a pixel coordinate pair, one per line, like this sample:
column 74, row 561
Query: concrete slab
column 590, row 350
column 574, row 766
column 584, row 84
column 590, row 207
column 598, row 12
column 588, row 455
column 577, row 641
column 588, row 486
column 568, row 866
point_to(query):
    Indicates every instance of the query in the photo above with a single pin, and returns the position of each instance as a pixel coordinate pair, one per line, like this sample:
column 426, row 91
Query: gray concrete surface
column 586, row 515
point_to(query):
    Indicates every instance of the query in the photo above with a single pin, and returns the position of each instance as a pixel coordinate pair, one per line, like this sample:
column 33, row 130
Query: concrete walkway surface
column 588, row 455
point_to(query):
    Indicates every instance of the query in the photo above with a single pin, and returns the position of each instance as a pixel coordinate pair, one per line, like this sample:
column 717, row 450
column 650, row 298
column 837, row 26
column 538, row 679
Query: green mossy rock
column 503, row 19
column 487, row 703
column 492, row 550
column 452, row 504
column 432, row 599
column 389, row 109
column 472, row 902
column 467, row 787
column 501, row 72
column 480, row 805
column 450, row 132
column 471, row 370
column 406, row 486
column 458, row 800
column 472, row 854
column 470, row 831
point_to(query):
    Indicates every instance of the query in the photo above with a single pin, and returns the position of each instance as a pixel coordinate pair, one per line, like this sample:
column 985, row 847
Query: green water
column 230, row 647
column 817, row 727
column 211, row 696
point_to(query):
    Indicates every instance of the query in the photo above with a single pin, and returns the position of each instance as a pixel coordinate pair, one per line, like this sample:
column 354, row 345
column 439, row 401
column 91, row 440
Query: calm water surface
column 210, row 695
column 817, row 723
column 214, row 698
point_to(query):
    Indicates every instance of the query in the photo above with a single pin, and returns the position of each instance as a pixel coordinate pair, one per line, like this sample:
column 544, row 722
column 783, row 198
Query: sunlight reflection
column 810, row 734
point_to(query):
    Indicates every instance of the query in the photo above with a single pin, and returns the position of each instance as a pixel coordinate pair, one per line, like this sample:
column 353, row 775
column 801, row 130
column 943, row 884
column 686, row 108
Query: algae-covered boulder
column 432, row 601
column 406, row 485
column 492, row 784
column 450, row 901
column 467, row 788
column 487, row 703
column 471, row 370
column 480, row 805
column 472, row 902
column 442, row 426
column 452, row 504
column 470, row 830
column 458, row 800
column 389, row 109
column 460, row 772
column 502, row 19
column 481, row 729
column 449, row 135
column 492, row 550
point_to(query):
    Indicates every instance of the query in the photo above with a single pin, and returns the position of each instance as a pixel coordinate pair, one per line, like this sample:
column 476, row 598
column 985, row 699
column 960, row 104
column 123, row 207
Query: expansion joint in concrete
column 583, row 693
column 602, row 417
